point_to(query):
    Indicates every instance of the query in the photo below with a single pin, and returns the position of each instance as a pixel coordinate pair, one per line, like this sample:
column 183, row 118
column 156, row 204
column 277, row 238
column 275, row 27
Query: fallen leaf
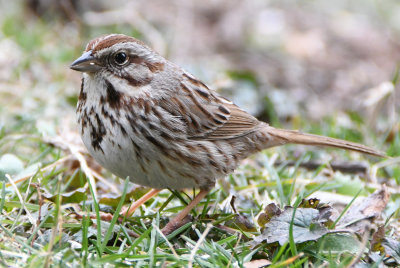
column 335, row 243
column 113, row 200
column 307, row 226
column 240, row 221
column 377, row 238
column 269, row 211
column 76, row 196
column 360, row 215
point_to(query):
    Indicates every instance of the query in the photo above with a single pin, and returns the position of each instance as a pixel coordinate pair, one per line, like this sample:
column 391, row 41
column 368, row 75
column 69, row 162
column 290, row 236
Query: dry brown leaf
column 360, row 215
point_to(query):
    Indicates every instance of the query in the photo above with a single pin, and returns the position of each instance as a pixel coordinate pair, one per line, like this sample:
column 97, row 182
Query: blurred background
column 287, row 62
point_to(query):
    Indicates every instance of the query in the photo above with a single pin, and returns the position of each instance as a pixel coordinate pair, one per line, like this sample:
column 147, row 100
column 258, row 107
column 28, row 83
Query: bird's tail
column 283, row 136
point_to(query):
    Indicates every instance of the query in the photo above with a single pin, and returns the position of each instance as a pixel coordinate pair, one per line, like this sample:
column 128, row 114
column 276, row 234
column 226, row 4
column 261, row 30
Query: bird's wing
column 207, row 115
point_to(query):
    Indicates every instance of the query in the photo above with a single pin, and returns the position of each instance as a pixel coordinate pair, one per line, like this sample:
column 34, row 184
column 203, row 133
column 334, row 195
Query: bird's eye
column 120, row 58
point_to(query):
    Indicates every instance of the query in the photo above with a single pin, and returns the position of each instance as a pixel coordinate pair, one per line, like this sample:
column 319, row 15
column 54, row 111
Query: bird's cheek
column 137, row 75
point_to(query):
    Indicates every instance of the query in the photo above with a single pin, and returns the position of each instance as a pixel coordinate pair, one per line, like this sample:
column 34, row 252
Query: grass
column 49, row 187
column 40, row 225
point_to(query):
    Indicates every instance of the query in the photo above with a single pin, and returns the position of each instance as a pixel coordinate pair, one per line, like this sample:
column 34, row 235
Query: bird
column 143, row 117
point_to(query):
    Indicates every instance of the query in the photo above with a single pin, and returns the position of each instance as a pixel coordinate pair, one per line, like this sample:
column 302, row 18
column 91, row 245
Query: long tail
column 284, row 136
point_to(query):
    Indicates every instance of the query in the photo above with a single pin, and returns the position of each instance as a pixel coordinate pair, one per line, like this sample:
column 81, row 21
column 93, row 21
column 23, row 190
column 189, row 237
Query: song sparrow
column 144, row 117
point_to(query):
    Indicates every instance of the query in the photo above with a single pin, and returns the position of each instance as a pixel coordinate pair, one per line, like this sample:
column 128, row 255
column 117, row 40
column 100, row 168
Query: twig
column 345, row 167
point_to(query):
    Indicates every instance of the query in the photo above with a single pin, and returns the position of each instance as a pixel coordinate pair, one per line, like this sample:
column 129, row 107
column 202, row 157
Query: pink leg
column 175, row 222
column 140, row 202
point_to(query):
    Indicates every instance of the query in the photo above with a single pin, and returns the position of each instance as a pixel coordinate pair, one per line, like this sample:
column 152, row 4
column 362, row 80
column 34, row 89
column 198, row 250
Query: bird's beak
column 86, row 63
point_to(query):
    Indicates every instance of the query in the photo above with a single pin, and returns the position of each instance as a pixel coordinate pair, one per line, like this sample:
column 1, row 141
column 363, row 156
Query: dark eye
column 120, row 58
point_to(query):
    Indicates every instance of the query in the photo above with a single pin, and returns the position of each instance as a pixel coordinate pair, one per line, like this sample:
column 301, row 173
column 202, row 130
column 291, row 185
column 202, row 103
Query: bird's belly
column 148, row 167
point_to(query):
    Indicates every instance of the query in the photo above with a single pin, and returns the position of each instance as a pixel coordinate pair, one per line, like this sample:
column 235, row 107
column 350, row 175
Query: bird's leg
column 175, row 222
column 139, row 202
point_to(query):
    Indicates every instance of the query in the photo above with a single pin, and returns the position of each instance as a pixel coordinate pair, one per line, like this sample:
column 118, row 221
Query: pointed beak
column 86, row 63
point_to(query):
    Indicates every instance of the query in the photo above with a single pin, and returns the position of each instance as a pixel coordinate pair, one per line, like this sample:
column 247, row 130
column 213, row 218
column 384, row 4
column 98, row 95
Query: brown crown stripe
column 93, row 42
column 110, row 40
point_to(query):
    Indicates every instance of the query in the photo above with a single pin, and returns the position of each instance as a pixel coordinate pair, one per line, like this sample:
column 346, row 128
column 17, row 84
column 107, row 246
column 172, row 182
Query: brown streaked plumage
column 107, row 41
column 144, row 117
